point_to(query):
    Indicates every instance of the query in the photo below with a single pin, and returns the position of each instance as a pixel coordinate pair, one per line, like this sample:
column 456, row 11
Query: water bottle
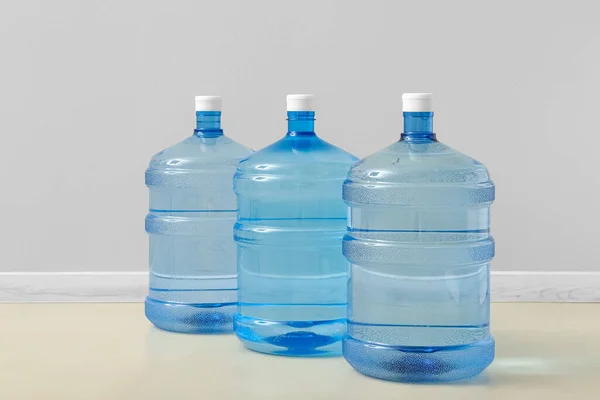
column 419, row 249
column 193, row 275
column 291, row 220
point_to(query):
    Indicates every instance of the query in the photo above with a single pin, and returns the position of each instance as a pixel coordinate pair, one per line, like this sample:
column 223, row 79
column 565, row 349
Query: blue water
column 419, row 249
column 193, row 277
column 291, row 220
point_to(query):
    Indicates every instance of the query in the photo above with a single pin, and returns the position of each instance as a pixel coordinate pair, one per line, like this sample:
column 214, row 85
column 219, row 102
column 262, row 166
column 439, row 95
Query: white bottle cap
column 417, row 102
column 300, row 102
column 208, row 103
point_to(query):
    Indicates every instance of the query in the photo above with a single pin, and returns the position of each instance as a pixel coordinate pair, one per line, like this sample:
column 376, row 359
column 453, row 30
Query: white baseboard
column 132, row 286
column 529, row 286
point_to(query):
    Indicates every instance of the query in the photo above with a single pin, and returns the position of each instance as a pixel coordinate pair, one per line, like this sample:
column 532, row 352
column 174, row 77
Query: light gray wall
column 89, row 90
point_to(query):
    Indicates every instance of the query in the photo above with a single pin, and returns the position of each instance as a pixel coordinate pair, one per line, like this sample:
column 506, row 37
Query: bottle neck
column 208, row 124
column 301, row 123
column 418, row 126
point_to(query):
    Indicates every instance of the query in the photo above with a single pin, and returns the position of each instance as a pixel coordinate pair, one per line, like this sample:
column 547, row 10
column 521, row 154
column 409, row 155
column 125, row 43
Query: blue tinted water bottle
column 291, row 220
column 193, row 285
column 419, row 249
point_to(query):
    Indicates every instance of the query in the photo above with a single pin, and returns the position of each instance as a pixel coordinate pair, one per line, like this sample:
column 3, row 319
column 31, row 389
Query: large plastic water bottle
column 193, row 284
column 419, row 248
column 291, row 220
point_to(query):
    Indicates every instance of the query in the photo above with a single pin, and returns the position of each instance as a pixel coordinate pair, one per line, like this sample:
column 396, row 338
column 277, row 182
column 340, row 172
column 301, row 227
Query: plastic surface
column 417, row 102
column 193, row 286
column 291, row 220
column 208, row 103
column 300, row 102
column 419, row 248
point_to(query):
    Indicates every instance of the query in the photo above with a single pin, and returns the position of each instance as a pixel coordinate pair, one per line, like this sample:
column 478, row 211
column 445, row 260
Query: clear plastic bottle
column 291, row 220
column 419, row 248
column 193, row 286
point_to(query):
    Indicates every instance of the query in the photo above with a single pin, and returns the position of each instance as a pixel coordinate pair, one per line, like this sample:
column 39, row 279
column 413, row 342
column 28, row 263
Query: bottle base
column 419, row 364
column 291, row 338
column 191, row 318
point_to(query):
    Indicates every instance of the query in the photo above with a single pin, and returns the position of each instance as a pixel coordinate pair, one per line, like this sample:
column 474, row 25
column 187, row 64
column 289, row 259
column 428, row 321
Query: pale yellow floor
column 110, row 352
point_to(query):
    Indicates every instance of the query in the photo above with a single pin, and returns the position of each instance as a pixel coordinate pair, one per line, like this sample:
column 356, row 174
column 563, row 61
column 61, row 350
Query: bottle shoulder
column 200, row 153
column 298, row 154
column 420, row 163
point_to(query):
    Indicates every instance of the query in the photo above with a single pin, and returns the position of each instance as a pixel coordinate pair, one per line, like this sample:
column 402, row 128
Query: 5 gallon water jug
column 419, row 248
column 291, row 220
column 193, row 284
